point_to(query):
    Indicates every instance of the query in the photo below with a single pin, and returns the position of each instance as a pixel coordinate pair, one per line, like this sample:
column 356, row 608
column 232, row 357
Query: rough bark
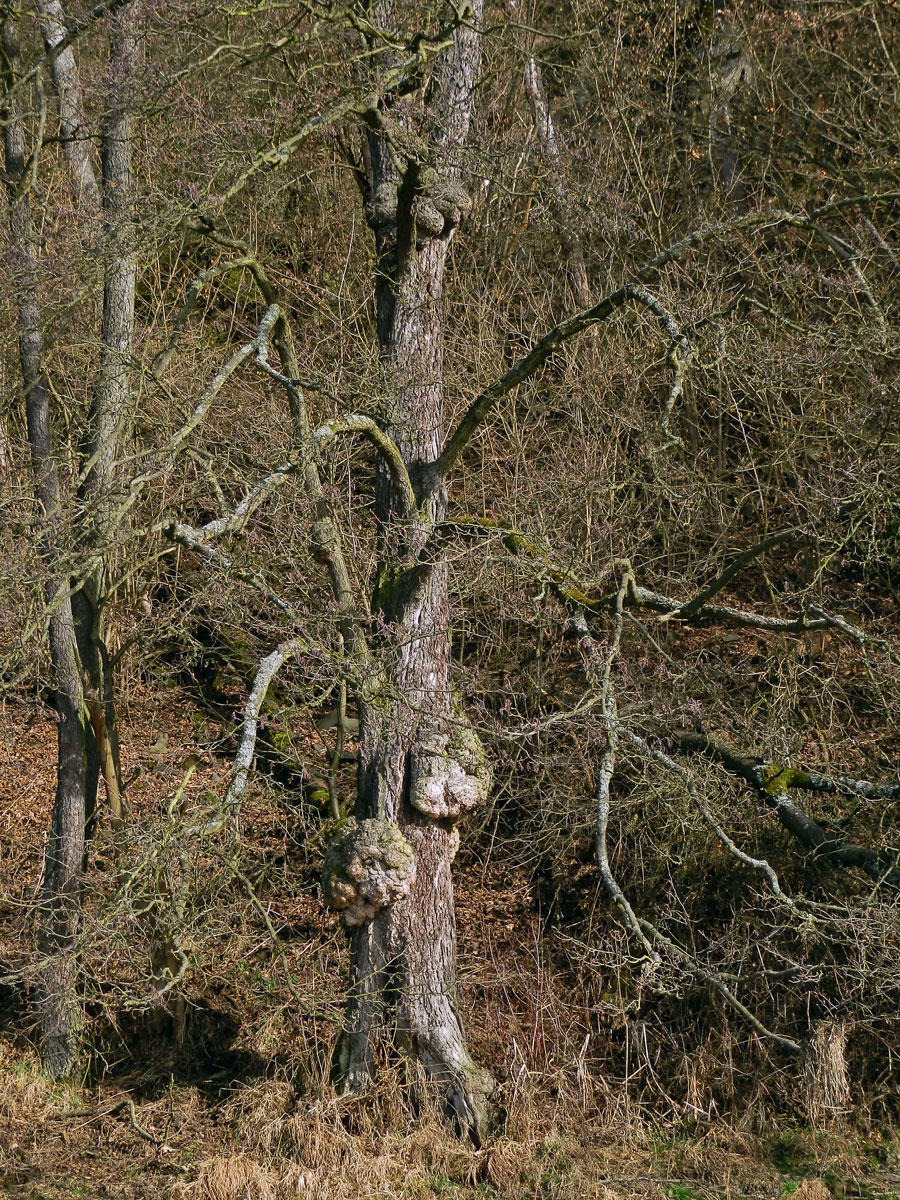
column 57, row 998
column 109, row 404
column 72, row 126
column 411, row 778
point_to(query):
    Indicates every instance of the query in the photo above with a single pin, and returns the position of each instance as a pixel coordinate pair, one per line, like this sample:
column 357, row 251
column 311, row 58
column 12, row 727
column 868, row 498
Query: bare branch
column 137, row 484
column 645, row 598
column 576, row 324
column 571, row 592
column 277, row 156
column 327, row 542
column 383, row 443
column 240, row 770
column 163, row 359
column 647, row 934
column 235, row 520
column 758, row 864
column 680, row 356
column 192, row 539
column 719, row 986
column 720, row 583
column 560, row 200
column 608, row 759
column 772, row 782
column 395, row 81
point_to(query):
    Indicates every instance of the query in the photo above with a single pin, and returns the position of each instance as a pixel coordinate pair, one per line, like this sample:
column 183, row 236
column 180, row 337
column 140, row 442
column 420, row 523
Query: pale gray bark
column 120, row 262
column 108, row 412
column 72, row 125
column 57, row 996
column 86, row 727
column 243, row 759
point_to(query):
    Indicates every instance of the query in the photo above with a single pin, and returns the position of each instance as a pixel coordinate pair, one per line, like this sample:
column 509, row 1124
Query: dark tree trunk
column 417, row 773
column 58, row 1004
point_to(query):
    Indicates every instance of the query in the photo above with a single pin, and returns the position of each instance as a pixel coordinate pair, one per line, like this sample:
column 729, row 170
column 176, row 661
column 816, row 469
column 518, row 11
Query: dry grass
column 812, row 1189
column 272, row 1140
column 234, row 1177
column 825, row 1076
column 25, row 1096
column 572, row 1132
column 342, row 1149
column 28, row 1099
column 30, row 1108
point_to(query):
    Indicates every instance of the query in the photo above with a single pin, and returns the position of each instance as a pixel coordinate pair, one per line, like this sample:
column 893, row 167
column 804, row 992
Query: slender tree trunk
column 5, row 448
column 724, row 66
column 58, row 1004
column 108, row 412
column 73, row 133
column 560, row 201
column 420, row 769
column 730, row 69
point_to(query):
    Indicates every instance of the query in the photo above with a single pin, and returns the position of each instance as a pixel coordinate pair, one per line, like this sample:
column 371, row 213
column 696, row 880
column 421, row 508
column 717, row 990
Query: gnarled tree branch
column 772, row 783
column 571, row 592
column 523, row 370
column 240, row 770
column 383, row 443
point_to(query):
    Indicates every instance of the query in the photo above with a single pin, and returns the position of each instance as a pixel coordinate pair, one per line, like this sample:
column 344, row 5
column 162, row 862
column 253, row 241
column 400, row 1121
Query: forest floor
column 241, row 1110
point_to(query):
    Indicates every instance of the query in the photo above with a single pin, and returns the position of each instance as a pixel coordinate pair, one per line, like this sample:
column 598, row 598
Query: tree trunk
column 723, row 67
column 109, row 403
column 560, row 200
column 420, row 768
column 58, row 1000
column 73, row 134
column 58, row 1004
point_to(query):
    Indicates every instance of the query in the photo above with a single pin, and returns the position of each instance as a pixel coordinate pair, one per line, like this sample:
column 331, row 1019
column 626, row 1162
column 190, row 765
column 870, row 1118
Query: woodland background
column 749, row 419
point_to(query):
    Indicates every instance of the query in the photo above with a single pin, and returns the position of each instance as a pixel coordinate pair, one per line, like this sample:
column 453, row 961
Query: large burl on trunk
column 389, row 871
column 421, row 767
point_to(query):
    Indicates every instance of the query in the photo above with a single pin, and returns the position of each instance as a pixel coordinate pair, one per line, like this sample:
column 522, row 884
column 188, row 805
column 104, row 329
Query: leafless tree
column 80, row 666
